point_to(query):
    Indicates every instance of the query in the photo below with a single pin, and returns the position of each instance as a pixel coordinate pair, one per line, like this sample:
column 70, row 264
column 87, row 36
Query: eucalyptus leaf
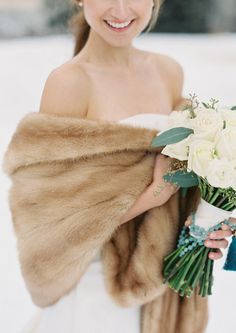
column 233, row 108
column 170, row 136
column 206, row 105
column 182, row 178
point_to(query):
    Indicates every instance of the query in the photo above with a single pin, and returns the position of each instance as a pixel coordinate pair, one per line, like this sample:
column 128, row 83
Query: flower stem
column 186, row 270
column 202, row 264
column 211, row 278
column 220, row 202
column 215, row 196
column 204, row 282
column 197, row 264
column 176, row 267
column 228, row 206
column 181, row 280
column 171, row 259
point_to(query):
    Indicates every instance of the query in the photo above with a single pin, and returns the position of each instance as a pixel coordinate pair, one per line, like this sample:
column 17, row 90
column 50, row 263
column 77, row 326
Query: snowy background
column 209, row 62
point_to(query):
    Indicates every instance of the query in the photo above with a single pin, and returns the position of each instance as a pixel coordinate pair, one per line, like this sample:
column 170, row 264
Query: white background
column 209, row 62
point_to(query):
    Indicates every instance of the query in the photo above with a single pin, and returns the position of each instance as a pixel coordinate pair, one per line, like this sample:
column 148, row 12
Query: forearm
column 144, row 202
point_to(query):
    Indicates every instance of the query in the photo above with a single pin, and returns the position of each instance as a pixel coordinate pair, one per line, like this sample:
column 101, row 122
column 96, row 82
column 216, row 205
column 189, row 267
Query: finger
column 219, row 234
column 216, row 243
column 225, row 226
column 215, row 255
column 162, row 162
column 188, row 222
column 161, row 156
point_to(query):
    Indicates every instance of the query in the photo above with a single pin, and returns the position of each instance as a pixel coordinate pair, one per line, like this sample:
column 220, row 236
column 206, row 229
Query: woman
column 109, row 79
column 105, row 63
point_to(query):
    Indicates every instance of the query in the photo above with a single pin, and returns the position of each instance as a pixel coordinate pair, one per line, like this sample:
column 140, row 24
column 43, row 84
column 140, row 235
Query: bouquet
column 202, row 137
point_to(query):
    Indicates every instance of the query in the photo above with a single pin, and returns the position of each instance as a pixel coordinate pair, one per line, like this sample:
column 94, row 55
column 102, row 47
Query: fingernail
column 207, row 243
column 212, row 235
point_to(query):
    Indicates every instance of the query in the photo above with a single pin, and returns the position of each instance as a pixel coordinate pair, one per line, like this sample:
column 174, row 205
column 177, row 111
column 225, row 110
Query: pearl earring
column 80, row 3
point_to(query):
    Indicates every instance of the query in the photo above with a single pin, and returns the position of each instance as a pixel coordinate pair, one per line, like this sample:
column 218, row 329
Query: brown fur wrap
column 72, row 180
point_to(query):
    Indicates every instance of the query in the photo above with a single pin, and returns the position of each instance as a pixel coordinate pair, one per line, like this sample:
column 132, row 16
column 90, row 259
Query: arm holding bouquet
column 155, row 194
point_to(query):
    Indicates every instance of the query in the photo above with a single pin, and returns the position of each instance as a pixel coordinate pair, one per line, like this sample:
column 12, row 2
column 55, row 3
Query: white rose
column 201, row 153
column 178, row 150
column 207, row 124
column 226, row 143
column 220, row 173
column 229, row 116
column 178, row 119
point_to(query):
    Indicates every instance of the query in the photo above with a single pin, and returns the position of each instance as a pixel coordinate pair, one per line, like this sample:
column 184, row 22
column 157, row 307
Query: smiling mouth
column 119, row 27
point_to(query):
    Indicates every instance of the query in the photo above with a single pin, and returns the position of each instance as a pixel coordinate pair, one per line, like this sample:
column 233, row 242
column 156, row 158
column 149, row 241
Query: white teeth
column 118, row 25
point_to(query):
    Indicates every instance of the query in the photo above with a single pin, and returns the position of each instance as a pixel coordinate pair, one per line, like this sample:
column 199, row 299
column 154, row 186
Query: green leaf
column 182, row 178
column 233, row 108
column 206, row 105
column 170, row 136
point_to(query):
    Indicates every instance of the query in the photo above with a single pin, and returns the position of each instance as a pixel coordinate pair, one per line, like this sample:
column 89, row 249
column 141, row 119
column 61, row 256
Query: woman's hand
column 161, row 190
column 217, row 239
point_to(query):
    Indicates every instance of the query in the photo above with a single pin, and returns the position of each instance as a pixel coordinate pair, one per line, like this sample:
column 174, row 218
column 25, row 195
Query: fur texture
column 72, row 180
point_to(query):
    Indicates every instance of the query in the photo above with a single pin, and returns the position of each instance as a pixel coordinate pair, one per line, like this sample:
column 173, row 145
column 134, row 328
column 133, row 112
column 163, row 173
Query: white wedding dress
column 88, row 308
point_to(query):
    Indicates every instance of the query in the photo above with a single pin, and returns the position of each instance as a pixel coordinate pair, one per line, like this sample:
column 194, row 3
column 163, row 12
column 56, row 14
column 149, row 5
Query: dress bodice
column 148, row 120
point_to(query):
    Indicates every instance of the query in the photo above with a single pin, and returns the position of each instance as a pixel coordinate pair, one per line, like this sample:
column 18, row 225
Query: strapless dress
column 88, row 308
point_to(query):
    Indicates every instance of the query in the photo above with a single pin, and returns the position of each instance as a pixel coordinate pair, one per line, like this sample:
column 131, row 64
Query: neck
column 99, row 52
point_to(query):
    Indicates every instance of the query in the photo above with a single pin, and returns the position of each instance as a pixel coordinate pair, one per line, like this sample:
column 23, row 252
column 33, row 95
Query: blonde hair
column 80, row 28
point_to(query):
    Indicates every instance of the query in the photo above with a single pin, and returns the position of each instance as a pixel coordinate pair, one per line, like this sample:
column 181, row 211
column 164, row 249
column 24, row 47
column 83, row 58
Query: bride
column 109, row 79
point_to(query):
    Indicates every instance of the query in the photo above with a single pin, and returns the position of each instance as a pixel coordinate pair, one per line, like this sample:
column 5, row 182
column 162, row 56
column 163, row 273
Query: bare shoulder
column 173, row 73
column 66, row 91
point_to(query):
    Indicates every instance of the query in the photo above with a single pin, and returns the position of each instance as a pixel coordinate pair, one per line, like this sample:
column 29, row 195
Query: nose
column 120, row 10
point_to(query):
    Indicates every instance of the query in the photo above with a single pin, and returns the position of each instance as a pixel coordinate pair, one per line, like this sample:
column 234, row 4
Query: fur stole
column 72, row 180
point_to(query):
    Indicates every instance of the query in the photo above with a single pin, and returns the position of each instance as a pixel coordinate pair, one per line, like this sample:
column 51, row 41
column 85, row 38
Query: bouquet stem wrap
column 206, row 218
column 189, row 266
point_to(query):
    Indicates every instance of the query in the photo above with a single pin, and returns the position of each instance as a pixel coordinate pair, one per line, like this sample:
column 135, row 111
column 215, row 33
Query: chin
column 121, row 41
column 117, row 43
